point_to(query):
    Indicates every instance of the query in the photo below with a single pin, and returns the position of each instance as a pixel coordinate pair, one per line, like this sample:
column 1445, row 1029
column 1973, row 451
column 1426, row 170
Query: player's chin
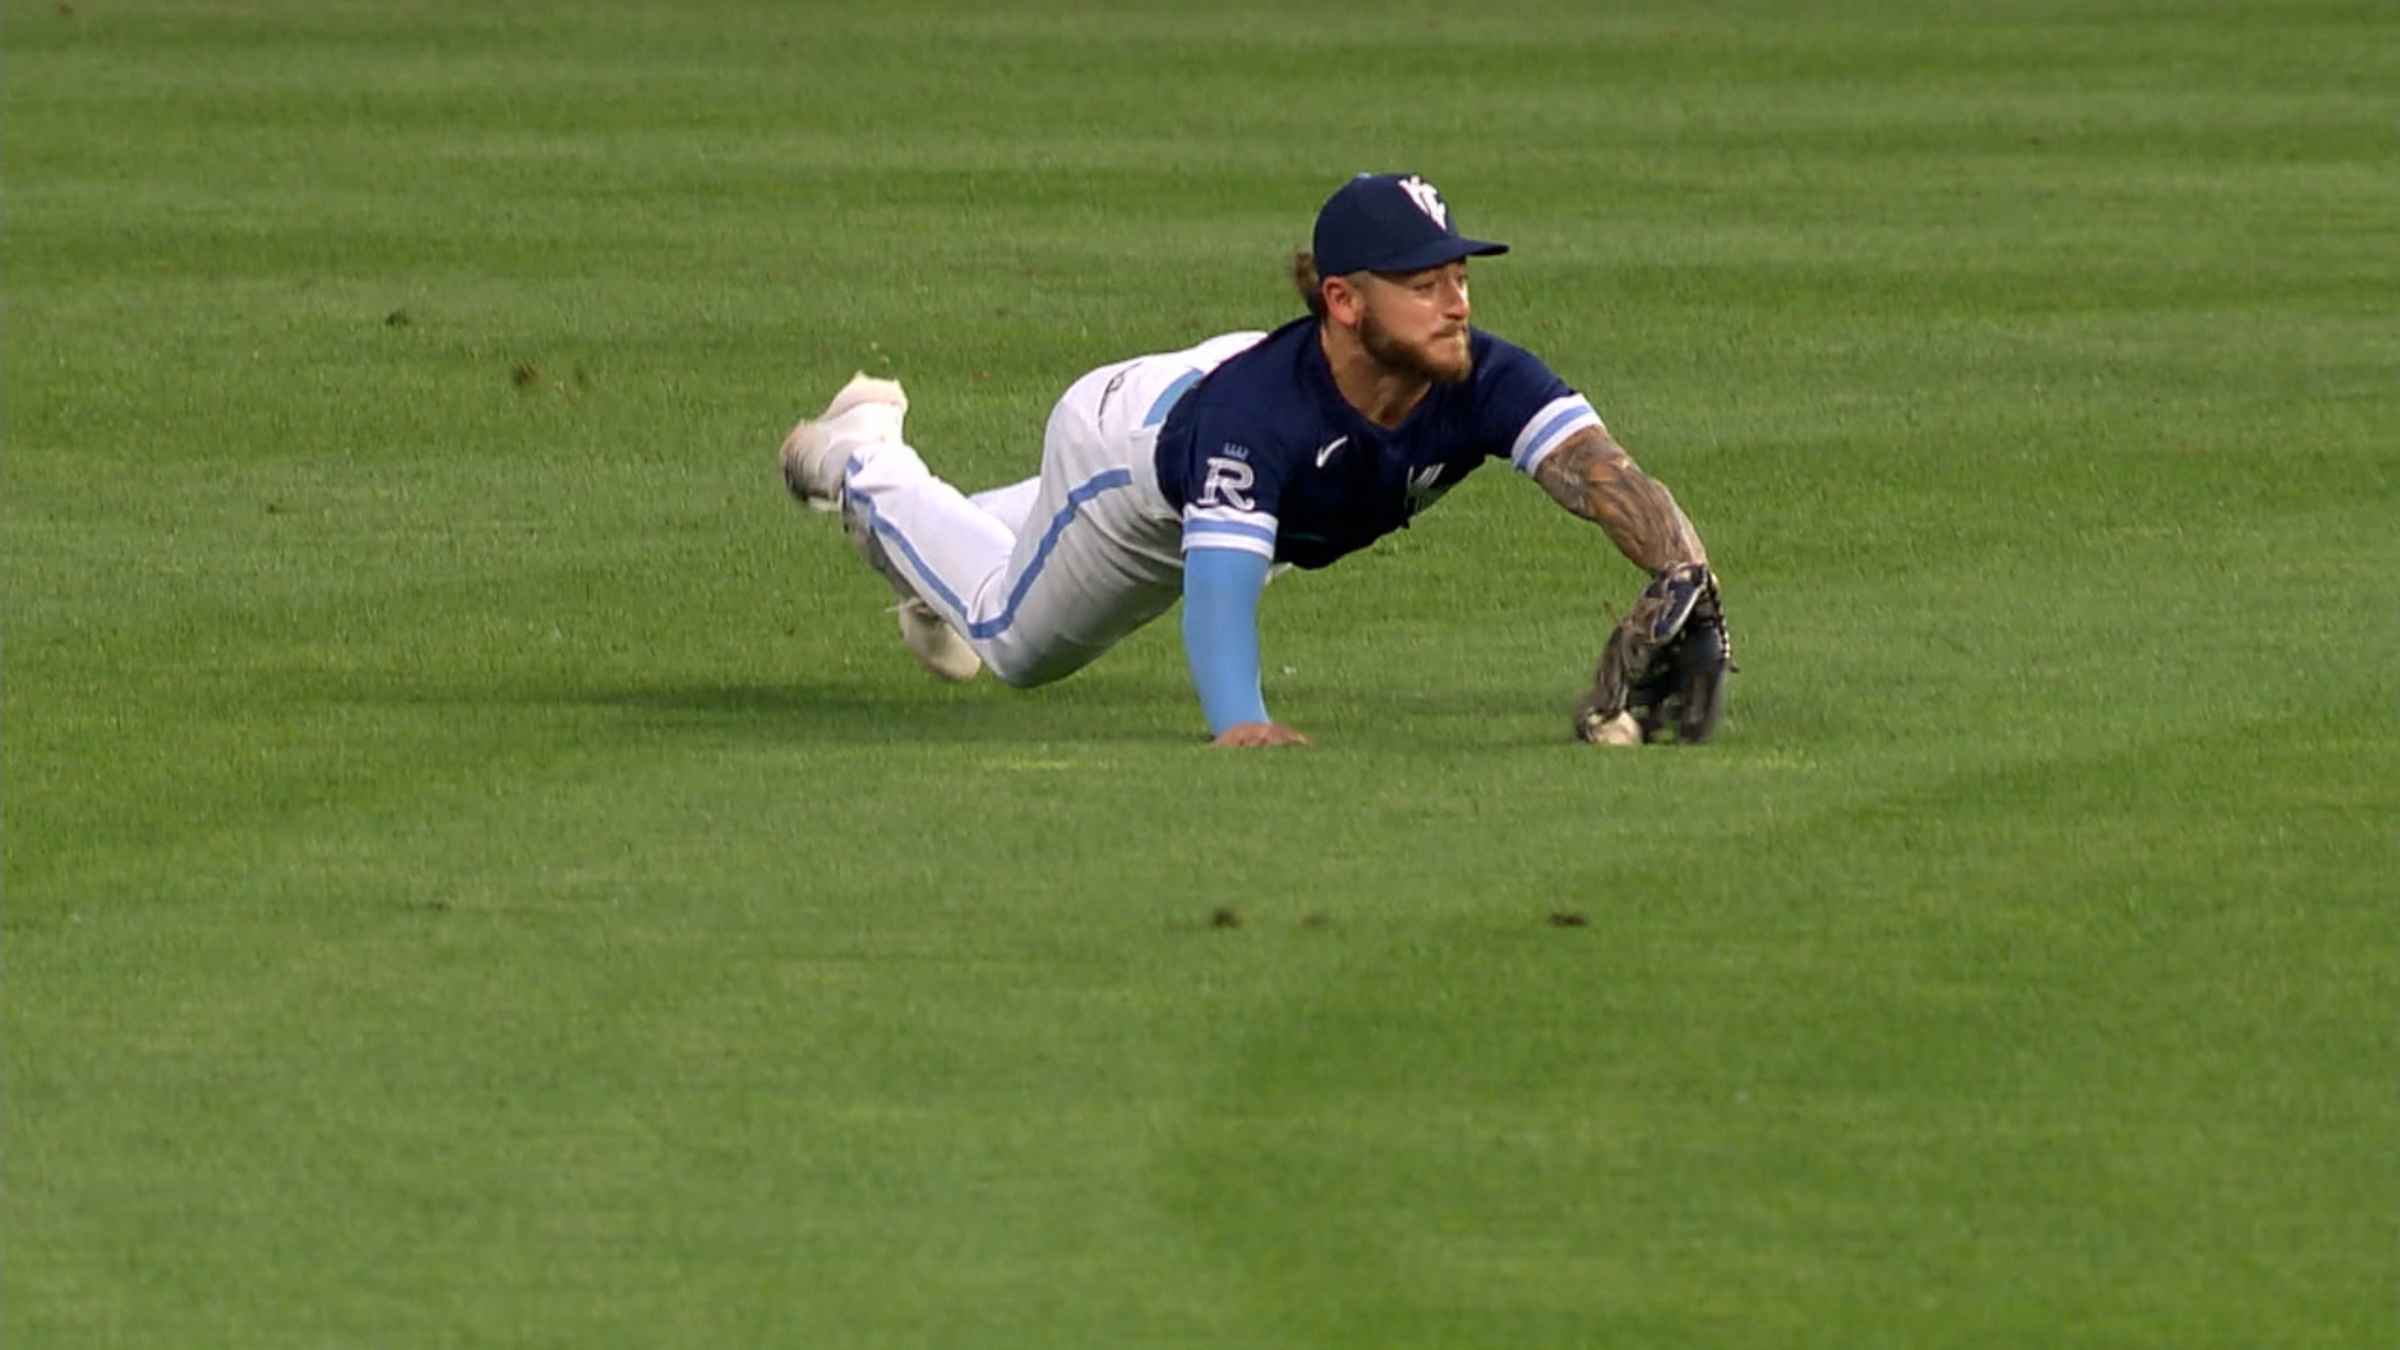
column 1448, row 360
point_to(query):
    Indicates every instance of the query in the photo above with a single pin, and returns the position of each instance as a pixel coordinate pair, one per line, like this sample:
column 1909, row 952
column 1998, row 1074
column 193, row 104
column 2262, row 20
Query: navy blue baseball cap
column 1390, row 222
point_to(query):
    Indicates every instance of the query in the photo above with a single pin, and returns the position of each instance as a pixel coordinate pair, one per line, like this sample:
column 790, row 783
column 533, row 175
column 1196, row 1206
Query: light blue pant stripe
column 998, row 624
column 883, row 528
column 1169, row 397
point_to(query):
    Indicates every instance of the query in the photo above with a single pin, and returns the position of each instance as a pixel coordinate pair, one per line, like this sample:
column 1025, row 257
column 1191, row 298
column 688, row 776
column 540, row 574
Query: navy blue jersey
column 1263, row 454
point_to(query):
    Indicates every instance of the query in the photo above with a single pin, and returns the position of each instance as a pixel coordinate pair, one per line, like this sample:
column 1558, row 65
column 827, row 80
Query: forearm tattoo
column 1592, row 477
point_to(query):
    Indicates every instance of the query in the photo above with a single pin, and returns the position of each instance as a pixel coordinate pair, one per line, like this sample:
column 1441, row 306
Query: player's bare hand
column 1259, row 733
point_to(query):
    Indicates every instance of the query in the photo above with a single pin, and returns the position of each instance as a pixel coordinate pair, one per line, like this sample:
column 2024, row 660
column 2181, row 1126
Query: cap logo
column 1427, row 200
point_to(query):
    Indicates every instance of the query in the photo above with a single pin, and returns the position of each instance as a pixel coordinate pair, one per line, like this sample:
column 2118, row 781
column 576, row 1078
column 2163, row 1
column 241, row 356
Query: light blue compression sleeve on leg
column 1221, row 587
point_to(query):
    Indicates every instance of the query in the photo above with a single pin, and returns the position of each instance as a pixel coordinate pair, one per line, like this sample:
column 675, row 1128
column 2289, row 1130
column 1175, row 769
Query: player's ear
column 1344, row 301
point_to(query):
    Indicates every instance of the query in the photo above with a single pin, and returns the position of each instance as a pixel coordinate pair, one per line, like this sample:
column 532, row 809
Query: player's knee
column 1014, row 678
column 1021, row 667
column 1010, row 666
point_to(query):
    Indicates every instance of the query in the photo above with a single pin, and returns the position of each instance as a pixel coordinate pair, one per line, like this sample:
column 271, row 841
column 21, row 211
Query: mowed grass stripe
column 480, row 869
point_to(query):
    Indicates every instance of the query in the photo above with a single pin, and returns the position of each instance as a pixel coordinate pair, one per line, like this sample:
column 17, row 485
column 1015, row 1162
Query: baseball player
column 1188, row 475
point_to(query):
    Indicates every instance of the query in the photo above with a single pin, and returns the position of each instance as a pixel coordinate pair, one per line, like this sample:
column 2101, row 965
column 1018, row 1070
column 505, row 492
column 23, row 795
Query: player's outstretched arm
column 1592, row 476
column 1666, row 662
column 1220, row 639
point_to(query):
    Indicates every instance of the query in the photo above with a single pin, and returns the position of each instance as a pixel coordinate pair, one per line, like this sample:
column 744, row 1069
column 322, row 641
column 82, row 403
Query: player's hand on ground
column 1259, row 733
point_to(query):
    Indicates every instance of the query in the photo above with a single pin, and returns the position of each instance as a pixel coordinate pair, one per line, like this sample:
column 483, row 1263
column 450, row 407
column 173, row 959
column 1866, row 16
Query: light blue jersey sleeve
column 1221, row 587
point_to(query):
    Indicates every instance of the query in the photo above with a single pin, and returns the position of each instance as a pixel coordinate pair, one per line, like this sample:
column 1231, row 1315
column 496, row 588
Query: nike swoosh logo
column 1330, row 446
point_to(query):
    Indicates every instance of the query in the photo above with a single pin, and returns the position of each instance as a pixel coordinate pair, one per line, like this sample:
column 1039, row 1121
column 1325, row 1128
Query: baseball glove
column 1664, row 669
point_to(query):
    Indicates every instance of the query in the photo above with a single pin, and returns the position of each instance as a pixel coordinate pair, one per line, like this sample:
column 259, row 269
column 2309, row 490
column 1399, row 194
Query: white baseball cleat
column 867, row 412
column 930, row 638
column 815, row 460
column 936, row 645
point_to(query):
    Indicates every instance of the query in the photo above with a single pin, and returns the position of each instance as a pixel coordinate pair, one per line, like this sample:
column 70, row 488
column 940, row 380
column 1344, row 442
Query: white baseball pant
column 1043, row 575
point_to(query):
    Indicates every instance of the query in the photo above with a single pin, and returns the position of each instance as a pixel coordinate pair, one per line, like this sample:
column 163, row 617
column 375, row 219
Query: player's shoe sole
column 814, row 458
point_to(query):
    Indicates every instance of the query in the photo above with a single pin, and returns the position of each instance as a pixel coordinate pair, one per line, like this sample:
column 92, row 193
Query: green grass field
column 480, row 869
